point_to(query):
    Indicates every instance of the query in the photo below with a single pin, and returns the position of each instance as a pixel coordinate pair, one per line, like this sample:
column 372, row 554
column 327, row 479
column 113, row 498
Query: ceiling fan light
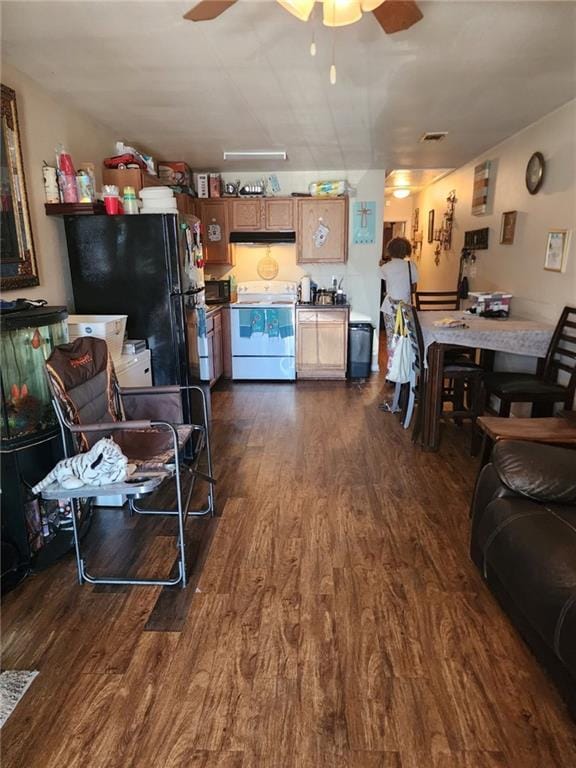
column 299, row 8
column 339, row 13
column 370, row 5
column 401, row 193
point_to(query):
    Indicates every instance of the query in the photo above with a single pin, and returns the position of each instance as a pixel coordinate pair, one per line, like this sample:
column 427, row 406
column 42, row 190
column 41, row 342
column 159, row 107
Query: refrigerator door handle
column 179, row 317
column 190, row 292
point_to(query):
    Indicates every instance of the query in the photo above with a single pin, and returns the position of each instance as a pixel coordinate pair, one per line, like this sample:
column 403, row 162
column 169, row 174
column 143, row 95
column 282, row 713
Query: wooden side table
column 554, row 430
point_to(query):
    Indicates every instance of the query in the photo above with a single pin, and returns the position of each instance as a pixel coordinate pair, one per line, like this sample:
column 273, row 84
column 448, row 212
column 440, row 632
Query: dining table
column 511, row 335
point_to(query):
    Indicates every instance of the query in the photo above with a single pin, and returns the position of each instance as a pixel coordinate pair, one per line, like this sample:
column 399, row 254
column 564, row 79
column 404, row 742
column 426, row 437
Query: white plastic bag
column 401, row 354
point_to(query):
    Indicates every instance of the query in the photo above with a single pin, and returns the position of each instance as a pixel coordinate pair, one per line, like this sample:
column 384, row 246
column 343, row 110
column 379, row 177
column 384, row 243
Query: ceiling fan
column 392, row 15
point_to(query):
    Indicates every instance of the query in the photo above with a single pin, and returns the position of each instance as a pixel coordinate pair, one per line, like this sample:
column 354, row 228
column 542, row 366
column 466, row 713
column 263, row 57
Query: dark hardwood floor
column 334, row 619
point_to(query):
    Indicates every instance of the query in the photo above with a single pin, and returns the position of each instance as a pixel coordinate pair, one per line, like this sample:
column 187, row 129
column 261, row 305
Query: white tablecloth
column 519, row 337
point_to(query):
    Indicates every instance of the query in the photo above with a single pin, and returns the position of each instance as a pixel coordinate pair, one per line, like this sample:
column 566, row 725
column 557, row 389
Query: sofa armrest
column 540, row 472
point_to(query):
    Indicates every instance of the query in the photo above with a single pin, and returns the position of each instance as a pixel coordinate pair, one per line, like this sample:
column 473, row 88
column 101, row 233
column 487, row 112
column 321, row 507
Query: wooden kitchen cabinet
column 279, row 215
column 214, row 218
column 226, row 342
column 213, row 369
column 275, row 214
column 134, row 177
column 321, row 343
column 214, row 334
column 332, row 212
column 185, row 203
column 245, row 215
column 129, row 177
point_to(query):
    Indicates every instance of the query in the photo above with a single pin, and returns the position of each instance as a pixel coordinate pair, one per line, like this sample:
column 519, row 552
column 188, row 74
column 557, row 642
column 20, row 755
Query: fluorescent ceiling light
column 400, row 193
column 255, row 155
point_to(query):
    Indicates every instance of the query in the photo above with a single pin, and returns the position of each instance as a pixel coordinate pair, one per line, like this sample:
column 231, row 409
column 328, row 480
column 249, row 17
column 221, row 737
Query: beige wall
column 400, row 210
column 361, row 279
column 44, row 123
column 517, row 268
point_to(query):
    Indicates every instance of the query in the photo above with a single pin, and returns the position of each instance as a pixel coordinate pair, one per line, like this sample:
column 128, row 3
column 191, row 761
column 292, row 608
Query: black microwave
column 217, row 291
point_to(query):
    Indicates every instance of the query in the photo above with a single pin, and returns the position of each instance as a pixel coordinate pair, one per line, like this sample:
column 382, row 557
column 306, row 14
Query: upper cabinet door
column 214, row 217
column 323, row 230
column 279, row 215
column 246, row 214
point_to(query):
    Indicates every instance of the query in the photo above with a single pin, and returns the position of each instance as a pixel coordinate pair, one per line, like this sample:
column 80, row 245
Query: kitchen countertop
column 211, row 308
column 322, row 306
column 359, row 317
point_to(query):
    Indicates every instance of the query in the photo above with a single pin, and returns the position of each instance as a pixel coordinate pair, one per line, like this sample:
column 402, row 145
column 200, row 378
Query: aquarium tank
column 27, row 339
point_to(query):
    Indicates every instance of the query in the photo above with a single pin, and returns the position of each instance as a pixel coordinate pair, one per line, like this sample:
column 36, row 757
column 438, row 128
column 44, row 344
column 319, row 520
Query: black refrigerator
column 138, row 266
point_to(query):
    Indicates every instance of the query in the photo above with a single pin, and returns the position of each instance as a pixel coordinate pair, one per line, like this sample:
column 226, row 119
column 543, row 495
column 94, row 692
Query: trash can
column 359, row 349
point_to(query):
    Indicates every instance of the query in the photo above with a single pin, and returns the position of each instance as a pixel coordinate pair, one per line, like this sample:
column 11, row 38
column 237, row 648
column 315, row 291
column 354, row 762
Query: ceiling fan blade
column 397, row 15
column 206, row 10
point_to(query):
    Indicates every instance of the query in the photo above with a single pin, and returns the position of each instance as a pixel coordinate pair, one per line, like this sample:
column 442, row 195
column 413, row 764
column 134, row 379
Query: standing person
column 401, row 276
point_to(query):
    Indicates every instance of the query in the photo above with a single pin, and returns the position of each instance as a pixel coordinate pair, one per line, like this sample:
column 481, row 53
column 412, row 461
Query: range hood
column 262, row 238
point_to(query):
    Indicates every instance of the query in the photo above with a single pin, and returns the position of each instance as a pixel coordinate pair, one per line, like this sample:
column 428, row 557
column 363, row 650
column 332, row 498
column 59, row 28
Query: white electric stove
column 263, row 328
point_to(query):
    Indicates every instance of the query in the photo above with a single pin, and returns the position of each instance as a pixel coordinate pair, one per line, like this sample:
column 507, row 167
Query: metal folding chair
column 147, row 424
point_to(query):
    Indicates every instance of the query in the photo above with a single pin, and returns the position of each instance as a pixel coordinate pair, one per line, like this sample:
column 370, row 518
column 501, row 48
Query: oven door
column 263, row 342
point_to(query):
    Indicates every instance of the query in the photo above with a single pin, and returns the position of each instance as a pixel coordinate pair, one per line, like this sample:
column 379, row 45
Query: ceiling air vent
column 434, row 136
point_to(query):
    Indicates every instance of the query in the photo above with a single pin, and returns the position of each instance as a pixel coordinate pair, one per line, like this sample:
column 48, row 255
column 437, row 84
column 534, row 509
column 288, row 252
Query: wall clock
column 535, row 173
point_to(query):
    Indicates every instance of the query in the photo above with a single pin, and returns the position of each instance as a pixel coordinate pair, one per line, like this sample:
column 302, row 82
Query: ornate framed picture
column 557, row 250
column 431, row 226
column 508, row 227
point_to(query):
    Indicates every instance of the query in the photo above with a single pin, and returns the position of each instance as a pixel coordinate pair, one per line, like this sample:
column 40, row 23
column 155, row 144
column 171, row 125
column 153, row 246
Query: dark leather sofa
column 523, row 540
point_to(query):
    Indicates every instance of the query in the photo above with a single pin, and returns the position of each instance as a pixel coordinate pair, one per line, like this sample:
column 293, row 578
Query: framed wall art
column 508, row 227
column 17, row 255
column 431, row 226
column 557, row 250
column 364, row 223
column 480, row 189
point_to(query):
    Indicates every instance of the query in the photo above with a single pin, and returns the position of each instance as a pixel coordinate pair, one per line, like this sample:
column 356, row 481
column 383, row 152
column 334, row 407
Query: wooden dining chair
column 448, row 301
column 427, row 300
column 556, row 383
column 460, row 377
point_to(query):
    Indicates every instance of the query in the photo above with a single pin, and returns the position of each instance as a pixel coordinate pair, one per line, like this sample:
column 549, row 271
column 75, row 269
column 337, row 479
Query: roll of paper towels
column 305, row 289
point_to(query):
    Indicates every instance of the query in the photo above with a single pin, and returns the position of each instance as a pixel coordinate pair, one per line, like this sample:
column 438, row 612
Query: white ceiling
column 414, row 179
column 479, row 70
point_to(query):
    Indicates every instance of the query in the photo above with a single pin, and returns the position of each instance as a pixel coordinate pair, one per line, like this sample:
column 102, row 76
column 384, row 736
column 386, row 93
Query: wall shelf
column 74, row 209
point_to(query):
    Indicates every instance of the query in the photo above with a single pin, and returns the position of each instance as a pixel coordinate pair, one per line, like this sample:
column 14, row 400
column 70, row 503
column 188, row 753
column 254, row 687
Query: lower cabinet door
column 332, row 347
column 226, row 344
column 218, row 363
column 322, row 345
column 210, row 343
column 307, row 349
